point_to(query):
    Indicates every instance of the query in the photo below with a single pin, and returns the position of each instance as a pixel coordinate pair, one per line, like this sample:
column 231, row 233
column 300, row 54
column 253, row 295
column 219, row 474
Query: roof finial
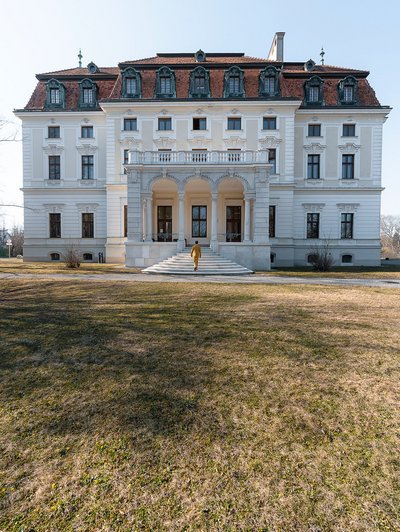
column 322, row 53
column 80, row 58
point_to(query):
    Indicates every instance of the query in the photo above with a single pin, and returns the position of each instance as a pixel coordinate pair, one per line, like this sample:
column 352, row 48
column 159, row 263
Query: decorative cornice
column 53, row 207
column 87, row 207
column 199, row 141
column 313, row 207
column 53, row 149
column 347, row 206
column 270, row 142
column 314, row 147
column 86, row 149
column 349, row 147
column 235, row 142
column 164, row 142
column 130, row 143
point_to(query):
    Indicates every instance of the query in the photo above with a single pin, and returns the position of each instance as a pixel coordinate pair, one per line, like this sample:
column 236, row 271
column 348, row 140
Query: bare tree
column 17, row 239
column 390, row 235
column 8, row 131
column 320, row 256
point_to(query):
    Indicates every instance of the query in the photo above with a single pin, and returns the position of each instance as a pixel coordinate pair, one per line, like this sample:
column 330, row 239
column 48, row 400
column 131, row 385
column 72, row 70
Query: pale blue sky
column 44, row 35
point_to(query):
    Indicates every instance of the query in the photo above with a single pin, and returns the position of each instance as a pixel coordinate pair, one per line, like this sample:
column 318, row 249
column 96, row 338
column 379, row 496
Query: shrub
column 320, row 258
column 72, row 258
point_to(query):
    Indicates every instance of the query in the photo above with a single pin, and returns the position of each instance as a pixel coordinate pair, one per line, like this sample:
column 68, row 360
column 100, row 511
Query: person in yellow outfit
column 196, row 254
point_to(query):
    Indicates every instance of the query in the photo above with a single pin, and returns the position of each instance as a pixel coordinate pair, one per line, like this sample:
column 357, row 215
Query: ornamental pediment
column 347, row 206
column 131, row 143
column 53, row 149
column 313, row 207
column 314, row 147
column 270, row 141
column 199, row 141
column 164, row 142
column 86, row 149
column 235, row 142
column 349, row 147
column 87, row 207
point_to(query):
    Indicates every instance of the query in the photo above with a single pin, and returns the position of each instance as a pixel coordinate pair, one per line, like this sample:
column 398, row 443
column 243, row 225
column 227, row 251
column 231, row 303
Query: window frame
column 51, row 86
column 165, row 72
column 87, row 129
column 272, row 221
column 346, row 127
column 272, row 159
column 54, row 167
column 347, row 226
column 234, row 72
column 267, row 121
column 164, row 120
column 309, row 86
column 130, row 121
column 199, row 219
column 87, row 225
column 349, row 81
column 129, row 74
column 54, row 129
column 311, row 127
column 234, row 120
column 313, row 166
column 54, row 225
column 84, row 86
column 348, row 166
column 272, row 74
column 199, row 73
column 201, row 120
column 313, row 225
column 87, row 167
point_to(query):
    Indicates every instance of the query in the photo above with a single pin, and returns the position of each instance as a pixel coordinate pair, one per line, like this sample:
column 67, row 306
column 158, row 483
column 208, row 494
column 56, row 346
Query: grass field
column 198, row 407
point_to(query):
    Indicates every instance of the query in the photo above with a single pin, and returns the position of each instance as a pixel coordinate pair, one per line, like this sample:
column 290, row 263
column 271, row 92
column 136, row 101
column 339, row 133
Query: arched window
column 54, row 256
column 347, row 259
column 234, row 83
column 131, row 83
column 165, row 83
column 268, row 85
column 199, row 86
column 55, row 94
column 87, row 93
column 313, row 91
column 87, row 256
column 347, row 89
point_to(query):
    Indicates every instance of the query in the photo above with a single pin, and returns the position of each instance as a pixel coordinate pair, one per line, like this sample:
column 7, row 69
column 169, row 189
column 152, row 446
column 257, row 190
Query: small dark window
column 199, row 221
column 347, row 259
column 130, row 124
column 126, row 159
column 314, row 130
column 54, row 167
column 272, row 220
column 272, row 258
column 234, row 123
column 55, row 225
column 348, row 166
column 349, row 130
column 272, row 159
column 87, row 132
column 125, row 221
column 346, row 225
column 87, row 167
column 313, row 166
column 313, row 225
column 269, row 122
column 54, row 256
column 87, row 225
column 199, row 124
column 53, row 132
column 87, row 256
column 165, row 124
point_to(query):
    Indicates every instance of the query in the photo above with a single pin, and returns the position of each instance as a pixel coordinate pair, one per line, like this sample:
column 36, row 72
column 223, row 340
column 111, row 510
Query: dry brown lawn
column 141, row 406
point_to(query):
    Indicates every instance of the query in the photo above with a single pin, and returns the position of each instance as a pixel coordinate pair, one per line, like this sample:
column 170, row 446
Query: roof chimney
column 276, row 50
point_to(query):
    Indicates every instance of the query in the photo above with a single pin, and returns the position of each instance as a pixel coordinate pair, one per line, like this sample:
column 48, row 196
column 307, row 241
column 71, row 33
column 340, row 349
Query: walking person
column 196, row 254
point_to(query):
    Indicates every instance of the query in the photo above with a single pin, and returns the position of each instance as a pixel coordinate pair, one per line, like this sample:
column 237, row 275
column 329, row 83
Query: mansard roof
column 292, row 76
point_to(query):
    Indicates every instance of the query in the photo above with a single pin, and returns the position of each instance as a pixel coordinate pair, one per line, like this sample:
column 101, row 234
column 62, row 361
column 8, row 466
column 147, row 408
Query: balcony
column 174, row 158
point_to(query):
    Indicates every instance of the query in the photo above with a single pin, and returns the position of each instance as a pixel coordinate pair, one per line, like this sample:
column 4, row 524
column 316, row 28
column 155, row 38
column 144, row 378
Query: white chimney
column 276, row 50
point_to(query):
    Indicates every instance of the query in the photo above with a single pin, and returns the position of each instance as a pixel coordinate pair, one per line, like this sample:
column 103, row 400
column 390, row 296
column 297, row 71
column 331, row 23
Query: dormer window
column 87, row 94
column 131, row 83
column 347, row 89
column 313, row 89
column 268, row 83
column 199, row 86
column 93, row 68
column 55, row 94
column 165, row 84
column 234, row 83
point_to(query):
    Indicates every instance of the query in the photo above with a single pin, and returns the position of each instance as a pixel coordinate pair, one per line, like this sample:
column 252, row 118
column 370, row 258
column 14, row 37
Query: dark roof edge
column 75, row 77
column 208, row 54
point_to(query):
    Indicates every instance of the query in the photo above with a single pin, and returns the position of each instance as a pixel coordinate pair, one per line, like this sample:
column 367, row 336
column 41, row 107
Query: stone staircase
column 209, row 264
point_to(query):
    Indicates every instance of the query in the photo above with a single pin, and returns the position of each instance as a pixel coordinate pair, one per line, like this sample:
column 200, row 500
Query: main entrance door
column 164, row 223
column 234, row 223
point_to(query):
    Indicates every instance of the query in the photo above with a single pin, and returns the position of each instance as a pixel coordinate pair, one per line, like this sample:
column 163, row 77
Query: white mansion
column 260, row 159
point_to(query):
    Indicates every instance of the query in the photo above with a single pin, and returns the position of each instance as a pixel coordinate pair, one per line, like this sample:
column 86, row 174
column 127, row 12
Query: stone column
column 149, row 219
column 261, row 209
column 181, row 214
column 214, row 225
column 135, row 212
column 246, row 218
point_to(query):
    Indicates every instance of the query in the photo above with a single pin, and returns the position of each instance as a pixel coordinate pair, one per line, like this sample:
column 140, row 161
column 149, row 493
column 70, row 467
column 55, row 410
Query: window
column 87, row 167
column 131, row 83
column 348, row 166
column 87, row 225
column 349, row 130
column 314, row 130
column 165, row 124
column 235, row 123
column 268, row 85
column 199, row 221
column 199, row 124
column 314, row 91
column 347, row 89
column 272, row 220
column 346, row 225
column 311, row 258
column 126, row 159
column 55, row 224
column 87, row 93
column 87, row 256
column 55, row 94
column 313, row 166
column 313, row 225
column 347, row 259
column 234, row 83
column 53, row 132
column 272, row 258
column 88, row 96
column 165, row 83
column 54, row 256
column 164, row 155
column 130, row 124
column 272, row 159
column 234, row 155
column 269, row 122
column 199, row 84
column 54, row 167
column 125, row 221
column 87, row 132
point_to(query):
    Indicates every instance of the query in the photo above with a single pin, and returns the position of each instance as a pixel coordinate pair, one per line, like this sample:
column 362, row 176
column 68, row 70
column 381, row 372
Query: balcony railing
column 198, row 157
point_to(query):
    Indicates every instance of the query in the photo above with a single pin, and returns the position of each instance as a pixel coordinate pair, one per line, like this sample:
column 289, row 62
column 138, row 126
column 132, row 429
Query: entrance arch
column 198, row 210
column 232, row 210
column 162, row 213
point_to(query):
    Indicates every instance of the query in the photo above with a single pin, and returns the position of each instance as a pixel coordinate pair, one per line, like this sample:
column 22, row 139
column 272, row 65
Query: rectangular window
column 269, row 86
column 87, row 132
column 131, row 86
column 314, row 130
column 165, row 124
column 126, row 158
column 88, row 96
column 346, row 225
column 199, row 221
column 235, row 123
column 269, row 122
column 312, row 225
column 199, row 85
column 272, row 159
column 87, row 225
column 54, row 167
column 130, row 124
column 313, row 94
column 272, row 220
column 313, row 166
column 87, row 167
column 165, row 85
column 55, row 224
column 199, row 124
column 348, row 93
column 349, row 130
column 53, row 132
column 55, row 96
column 348, row 166
column 234, row 85
column 125, row 221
